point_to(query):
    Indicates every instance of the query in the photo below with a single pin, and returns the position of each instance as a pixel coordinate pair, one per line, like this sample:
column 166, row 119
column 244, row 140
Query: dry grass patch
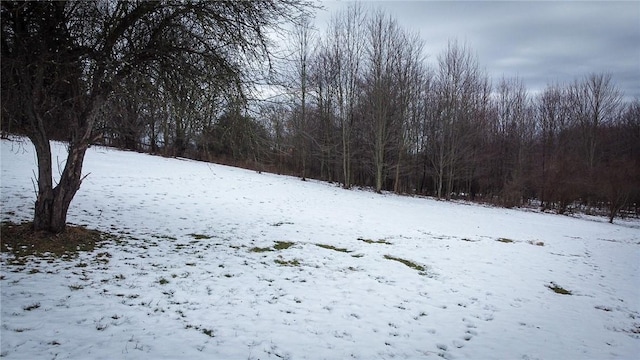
column 408, row 263
column 331, row 247
column 21, row 240
column 279, row 245
column 558, row 289
column 200, row 236
column 283, row 245
column 370, row 241
column 294, row 262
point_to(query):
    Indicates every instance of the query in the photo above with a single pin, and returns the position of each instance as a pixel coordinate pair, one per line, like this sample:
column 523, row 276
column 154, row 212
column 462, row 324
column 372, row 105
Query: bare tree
column 514, row 130
column 595, row 101
column 460, row 94
column 324, row 84
column 347, row 41
column 303, row 46
column 617, row 175
column 383, row 38
column 392, row 75
column 62, row 60
column 553, row 118
column 414, row 81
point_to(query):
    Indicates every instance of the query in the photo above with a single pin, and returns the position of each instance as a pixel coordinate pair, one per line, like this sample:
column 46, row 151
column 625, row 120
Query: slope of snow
column 196, row 274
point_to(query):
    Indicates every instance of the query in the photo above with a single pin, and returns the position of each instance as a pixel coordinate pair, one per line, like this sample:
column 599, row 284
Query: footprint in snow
column 469, row 323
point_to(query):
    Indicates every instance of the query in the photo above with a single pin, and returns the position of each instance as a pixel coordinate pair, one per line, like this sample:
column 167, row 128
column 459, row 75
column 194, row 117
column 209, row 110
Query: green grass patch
column 200, row 236
column 163, row 281
column 505, row 240
column 282, row 262
column 279, row 245
column 369, row 241
column 331, row 247
column 283, row 245
column 558, row 289
column 260, row 250
column 408, row 263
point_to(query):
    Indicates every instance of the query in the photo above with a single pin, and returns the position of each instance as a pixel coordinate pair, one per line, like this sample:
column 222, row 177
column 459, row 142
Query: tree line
column 360, row 106
column 367, row 110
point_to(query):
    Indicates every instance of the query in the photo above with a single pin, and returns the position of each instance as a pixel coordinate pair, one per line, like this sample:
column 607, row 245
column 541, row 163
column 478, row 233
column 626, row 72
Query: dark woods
column 573, row 147
column 357, row 105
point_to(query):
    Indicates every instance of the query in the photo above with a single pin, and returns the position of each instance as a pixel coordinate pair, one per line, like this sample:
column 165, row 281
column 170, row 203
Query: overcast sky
column 542, row 42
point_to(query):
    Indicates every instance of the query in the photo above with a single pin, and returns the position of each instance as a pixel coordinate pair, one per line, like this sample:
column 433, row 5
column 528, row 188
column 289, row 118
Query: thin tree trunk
column 346, row 163
column 396, row 185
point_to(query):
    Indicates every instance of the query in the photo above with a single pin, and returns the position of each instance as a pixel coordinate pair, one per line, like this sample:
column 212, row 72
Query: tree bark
column 53, row 203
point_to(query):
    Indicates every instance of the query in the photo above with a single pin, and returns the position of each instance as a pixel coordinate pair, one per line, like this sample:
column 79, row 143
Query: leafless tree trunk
column 346, row 36
column 383, row 36
column 393, row 60
column 513, row 134
column 303, row 39
column 324, row 84
column 460, row 89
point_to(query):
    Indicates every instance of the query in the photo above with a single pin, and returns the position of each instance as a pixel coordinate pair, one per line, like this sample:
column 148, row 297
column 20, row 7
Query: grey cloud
column 541, row 42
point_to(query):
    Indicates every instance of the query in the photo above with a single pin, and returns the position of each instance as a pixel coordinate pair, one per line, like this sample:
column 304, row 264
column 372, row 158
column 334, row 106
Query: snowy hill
column 225, row 263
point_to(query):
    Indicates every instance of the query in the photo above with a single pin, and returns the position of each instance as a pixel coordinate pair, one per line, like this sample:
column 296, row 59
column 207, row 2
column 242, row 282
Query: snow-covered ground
column 198, row 274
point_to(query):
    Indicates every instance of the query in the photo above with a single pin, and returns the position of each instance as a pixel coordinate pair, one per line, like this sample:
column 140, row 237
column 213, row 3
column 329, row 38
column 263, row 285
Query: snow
column 190, row 276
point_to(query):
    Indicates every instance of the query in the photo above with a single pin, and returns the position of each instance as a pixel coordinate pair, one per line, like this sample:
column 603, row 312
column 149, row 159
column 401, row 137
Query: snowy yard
column 215, row 262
